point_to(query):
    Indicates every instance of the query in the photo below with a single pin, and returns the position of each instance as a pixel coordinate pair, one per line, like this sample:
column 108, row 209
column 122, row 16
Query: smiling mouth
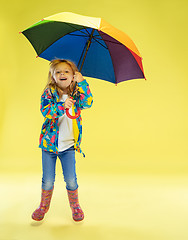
column 63, row 79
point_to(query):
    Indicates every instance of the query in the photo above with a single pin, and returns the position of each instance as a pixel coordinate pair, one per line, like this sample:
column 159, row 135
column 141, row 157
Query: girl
column 61, row 136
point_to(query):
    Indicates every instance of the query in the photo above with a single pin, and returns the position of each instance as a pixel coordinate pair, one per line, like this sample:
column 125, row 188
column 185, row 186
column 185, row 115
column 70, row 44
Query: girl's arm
column 49, row 107
column 85, row 99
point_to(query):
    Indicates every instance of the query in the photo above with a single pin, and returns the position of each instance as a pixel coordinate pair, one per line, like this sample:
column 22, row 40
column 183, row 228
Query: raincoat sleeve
column 85, row 99
column 49, row 107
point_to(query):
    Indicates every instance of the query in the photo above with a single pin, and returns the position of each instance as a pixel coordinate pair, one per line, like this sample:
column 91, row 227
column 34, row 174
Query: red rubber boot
column 77, row 212
column 39, row 213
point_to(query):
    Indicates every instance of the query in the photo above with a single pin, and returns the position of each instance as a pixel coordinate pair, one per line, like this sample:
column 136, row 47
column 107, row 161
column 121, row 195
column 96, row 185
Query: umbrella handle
column 73, row 117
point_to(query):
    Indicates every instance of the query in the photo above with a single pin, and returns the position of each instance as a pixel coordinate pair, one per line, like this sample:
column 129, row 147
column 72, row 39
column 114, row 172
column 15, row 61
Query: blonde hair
column 51, row 83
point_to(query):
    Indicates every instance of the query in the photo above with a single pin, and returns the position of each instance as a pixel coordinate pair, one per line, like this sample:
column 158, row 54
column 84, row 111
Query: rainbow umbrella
column 96, row 47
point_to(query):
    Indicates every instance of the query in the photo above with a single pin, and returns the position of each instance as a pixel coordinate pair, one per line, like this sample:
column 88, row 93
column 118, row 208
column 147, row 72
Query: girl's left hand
column 78, row 77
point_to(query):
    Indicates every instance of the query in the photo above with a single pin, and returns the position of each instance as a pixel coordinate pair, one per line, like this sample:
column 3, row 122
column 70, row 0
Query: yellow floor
column 132, row 207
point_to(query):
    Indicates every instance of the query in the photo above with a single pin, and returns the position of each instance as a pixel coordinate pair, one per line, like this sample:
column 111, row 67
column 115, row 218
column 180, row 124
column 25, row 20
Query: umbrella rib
column 110, row 41
column 77, row 29
column 72, row 34
column 113, row 42
column 87, row 30
column 95, row 38
column 86, row 35
column 100, row 43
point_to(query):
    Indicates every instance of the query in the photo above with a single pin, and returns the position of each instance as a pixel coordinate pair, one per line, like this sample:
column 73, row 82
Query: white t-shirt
column 66, row 135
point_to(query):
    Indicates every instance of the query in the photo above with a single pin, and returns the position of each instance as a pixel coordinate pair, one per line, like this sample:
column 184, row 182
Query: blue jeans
column 68, row 163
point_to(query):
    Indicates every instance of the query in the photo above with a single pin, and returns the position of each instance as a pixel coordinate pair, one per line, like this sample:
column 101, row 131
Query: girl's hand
column 78, row 77
column 69, row 102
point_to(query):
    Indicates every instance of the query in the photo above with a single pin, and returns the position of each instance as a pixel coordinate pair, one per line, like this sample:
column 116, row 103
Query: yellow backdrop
column 138, row 125
column 133, row 179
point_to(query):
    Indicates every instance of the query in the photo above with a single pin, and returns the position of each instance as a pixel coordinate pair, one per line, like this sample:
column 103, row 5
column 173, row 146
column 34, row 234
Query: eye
column 57, row 72
column 66, row 71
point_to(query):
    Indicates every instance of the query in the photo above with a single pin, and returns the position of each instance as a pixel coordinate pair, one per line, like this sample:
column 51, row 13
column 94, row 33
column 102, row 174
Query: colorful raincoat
column 51, row 108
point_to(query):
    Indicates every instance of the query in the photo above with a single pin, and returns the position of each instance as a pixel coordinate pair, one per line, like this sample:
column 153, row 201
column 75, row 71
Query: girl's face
column 63, row 75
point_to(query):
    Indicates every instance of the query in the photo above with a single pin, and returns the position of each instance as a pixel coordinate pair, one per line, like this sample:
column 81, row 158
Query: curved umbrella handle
column 73, row 117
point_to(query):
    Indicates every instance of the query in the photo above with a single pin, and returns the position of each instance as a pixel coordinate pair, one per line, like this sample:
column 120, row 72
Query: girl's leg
column 48, row 164
column 68, row 162
column 48, row 168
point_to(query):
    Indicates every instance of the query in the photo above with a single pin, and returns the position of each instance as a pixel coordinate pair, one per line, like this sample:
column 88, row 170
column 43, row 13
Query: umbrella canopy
column 96, row 47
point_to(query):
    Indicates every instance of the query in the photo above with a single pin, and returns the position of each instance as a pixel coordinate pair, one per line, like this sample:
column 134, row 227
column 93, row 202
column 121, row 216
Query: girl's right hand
column 68, row 103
